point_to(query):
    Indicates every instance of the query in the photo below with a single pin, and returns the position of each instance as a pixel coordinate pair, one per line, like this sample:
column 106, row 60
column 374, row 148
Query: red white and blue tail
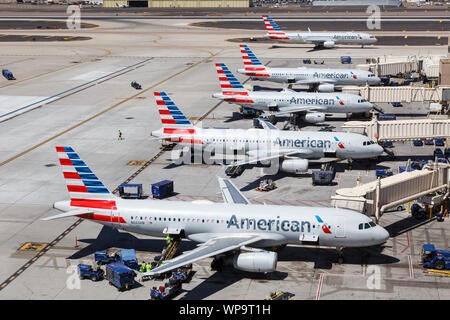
column 171, row 115
column 274, row 31
column 81, row 181
column 228, row 82
column 174, row 122
column 249, row 57
column 253, row 67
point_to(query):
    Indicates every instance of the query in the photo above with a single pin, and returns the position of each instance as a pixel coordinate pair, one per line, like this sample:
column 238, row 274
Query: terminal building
column 177, row 3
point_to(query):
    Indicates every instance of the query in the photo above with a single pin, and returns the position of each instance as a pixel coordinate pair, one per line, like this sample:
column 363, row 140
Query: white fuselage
column 201, row 221
column 322, row 37
column 317, row 144
column 336, row 102
column 313, row 75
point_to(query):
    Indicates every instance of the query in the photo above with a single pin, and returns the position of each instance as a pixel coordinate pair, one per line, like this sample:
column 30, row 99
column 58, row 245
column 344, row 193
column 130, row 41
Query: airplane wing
column 230, row 193
column 212, row 247
column 266, row 124
column 295, row 109
column 264, row 156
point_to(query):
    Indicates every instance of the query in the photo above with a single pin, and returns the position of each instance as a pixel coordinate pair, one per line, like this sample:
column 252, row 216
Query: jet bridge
column 400, row 130
column 431, row 185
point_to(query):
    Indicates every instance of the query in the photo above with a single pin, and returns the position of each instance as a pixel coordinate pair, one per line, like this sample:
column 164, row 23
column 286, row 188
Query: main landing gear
column 340, row 255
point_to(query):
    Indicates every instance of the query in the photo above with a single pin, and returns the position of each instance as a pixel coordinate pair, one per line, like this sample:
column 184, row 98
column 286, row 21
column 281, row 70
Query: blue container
column 418, row 143
column 128, row 258
column 439, row 142
column 162, row 189
column 386, row 116
column 120, row 275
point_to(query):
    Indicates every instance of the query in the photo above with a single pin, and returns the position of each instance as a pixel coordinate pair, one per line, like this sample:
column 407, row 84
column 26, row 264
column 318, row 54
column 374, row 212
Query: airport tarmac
column 90, row 81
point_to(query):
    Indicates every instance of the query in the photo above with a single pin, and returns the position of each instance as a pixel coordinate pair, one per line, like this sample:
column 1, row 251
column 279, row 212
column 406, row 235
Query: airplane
column 321, row 79
column 235, row 228
column 311, row 105
column 319, row 39
column 292, row 148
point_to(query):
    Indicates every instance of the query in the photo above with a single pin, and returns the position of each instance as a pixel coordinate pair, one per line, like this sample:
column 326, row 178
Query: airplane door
column 340, row 228
column 311, row 235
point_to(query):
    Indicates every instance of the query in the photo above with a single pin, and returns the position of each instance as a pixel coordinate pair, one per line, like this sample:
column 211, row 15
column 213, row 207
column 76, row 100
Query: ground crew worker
column 143, row 267
column 168, row 239
column 148, row 268
column 120, row 135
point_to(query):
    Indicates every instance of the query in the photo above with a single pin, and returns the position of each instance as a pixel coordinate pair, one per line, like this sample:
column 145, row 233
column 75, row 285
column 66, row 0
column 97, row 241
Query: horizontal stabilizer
column 68, row 214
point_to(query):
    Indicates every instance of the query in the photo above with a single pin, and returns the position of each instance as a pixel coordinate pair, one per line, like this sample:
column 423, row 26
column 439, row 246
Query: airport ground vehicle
column 234, row 171
column 169, row 290
column 439, row 142
column 418, row 143
column 131, row 195
column 346, row 59
column 435, row 259
column 386, row 116
column 266, row 185
column 128, row 258
column 280, row 295
column 119, row 275
column 102, row 257
column 86, row 271
column 388, row 144
column 162, row 189
column 383, row 173
column 396, row 104
column 324, row 176
column 136, row 85
column 405, row 168
column 8, row 74
column 429, row 142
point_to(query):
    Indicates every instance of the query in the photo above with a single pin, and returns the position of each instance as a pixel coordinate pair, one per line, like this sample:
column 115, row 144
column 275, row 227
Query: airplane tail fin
column 174, row 122
column 274, row 31
column 228, row 82
column 249, row 57
column 85, row 189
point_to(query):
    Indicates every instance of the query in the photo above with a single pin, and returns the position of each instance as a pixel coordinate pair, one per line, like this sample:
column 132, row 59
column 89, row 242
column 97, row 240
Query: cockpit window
column 366, row 225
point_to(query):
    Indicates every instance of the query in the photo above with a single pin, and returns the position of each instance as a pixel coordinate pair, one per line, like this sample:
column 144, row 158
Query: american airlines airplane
column 236, row 228
column 292, row 148
column 311, row 105
column 319, row 39
column 322, row 79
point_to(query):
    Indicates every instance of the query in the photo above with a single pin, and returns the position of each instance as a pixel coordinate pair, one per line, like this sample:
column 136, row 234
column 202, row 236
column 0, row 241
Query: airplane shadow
column 274, row 177
column 220, row 280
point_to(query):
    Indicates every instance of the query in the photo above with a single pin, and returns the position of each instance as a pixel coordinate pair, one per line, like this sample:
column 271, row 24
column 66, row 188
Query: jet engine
column 314, row 117
column 294, row 165
column 264, row 261
column 328, row 44
column 325, row 87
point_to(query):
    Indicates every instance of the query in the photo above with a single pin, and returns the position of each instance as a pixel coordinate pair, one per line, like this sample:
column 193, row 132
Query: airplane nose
column 378, row 149
column 381, row 234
